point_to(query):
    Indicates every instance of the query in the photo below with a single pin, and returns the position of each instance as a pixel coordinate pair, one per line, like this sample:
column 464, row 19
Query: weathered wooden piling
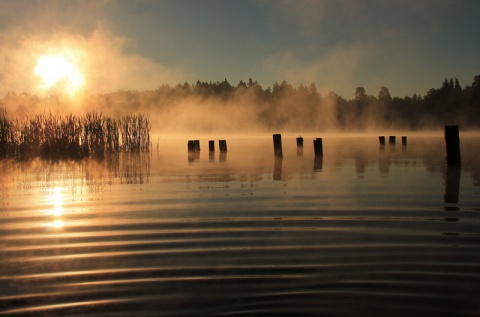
column 392, row 139
column 381, row 139
column 452, row 141
column 222, row 144
column 197, row 145
column 300, row 142
column 211, row 146
column 318, row 146
column 299, row 146
column 191, row 146
column 404, row 140
column 277, row 145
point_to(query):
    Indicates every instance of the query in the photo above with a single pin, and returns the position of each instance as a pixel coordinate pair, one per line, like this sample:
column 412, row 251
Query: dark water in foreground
column 364, row 232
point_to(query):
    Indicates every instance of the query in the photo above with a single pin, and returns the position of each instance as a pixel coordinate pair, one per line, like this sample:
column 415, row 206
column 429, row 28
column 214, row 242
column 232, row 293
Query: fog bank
column 248, row 108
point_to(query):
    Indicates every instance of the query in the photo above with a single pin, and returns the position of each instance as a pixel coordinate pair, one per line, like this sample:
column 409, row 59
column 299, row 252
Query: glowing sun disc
column 57, row 71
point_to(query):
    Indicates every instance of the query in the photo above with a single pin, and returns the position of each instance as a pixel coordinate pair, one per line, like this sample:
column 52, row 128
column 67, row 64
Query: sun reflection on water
column 56, row 199
column 57, row 224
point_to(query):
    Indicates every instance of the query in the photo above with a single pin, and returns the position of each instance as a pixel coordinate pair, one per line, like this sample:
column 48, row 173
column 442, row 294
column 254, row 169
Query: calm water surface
column 365, row 231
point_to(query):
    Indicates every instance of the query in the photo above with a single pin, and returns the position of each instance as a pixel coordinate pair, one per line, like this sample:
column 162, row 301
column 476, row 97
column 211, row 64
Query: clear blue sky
column 407, row 46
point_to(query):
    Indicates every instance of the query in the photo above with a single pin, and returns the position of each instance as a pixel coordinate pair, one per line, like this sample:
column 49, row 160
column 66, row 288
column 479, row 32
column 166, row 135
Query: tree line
column 284, row 107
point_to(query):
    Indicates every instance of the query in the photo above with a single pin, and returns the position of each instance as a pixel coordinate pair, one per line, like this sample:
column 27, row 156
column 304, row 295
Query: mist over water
column 179, row 110
column 249, row 108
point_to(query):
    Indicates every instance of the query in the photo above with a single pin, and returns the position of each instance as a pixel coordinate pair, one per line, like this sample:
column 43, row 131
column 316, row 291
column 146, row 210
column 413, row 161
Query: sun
column 59, row 72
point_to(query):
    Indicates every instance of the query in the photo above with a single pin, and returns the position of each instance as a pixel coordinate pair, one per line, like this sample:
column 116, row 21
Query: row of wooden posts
column 318, row 144
column 392, row 140
column 452, row 140
column 277, row 145
column 194, row 145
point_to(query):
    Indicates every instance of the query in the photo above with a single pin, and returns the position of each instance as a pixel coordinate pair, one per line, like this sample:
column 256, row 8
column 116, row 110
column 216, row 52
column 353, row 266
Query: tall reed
column 135, row 130
column 73, row 137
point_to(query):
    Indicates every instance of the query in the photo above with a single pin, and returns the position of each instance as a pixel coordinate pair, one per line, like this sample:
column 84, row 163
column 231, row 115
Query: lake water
column 365, row 231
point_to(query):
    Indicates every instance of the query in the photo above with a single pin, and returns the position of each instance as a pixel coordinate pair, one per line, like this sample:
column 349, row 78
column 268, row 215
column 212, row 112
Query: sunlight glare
column 57, row 201
column 60, row 72
column 57, row 224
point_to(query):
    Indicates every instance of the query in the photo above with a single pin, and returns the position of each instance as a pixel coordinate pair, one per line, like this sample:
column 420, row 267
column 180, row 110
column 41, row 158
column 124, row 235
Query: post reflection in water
column 392, row 148
column 383, row 161
column 277, row 168
column 300, row 151
column 222, row 157
column 193, row 156
column 318, row 164
column 452, row 184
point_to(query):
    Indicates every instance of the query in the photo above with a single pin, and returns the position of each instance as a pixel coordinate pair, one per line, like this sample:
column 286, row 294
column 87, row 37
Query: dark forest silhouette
column 284, row 107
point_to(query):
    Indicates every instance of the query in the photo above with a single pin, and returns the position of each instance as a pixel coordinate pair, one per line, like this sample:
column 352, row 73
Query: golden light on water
column 60, row 72
column 56, row 199
column 57, row 224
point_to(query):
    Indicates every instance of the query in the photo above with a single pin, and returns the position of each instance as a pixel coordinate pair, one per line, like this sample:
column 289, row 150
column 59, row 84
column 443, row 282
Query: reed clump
column 55, row 137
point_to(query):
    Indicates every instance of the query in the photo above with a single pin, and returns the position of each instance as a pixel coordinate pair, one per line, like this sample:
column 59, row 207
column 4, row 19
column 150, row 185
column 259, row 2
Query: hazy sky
column 407, row 46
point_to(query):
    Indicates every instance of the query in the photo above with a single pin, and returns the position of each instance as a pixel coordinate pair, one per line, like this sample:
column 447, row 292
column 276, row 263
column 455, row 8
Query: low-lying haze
column 247, row 107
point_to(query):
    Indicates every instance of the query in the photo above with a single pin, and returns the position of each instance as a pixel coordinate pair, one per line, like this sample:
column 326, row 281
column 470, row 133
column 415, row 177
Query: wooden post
column 299, row 146
column 300, row 142
column 382, row 140
column 191, row 151
column 452, row 141
column 277, row 145
column 391, row 139
column 404, row 140
column 191, row 146
column 318, row 146
column 222, row 144
column 197, row 145
column 211, row 151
